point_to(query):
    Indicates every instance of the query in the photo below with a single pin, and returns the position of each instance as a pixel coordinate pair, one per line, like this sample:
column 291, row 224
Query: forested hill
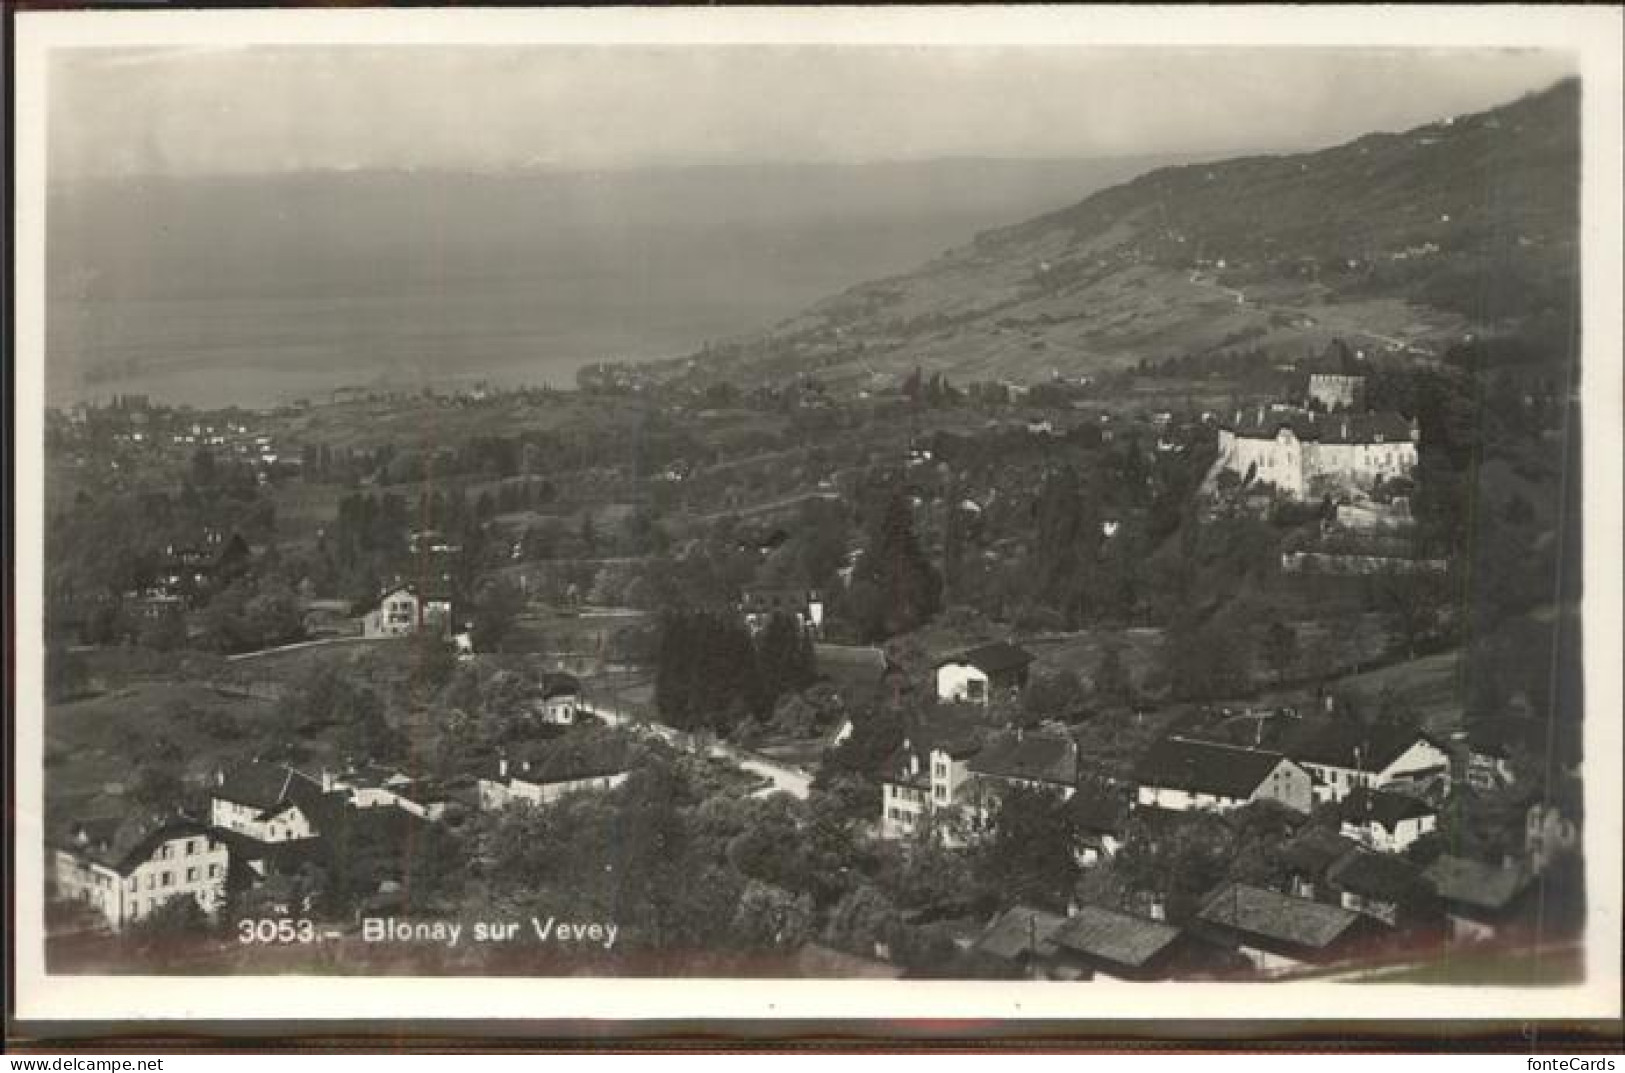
column 1402, row 242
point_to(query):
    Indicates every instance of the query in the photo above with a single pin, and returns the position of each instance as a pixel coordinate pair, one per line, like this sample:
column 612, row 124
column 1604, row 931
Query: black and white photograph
column 739, row 500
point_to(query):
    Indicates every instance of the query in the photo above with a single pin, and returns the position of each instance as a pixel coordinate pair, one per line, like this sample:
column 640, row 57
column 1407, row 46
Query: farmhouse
column 559, row 699
column 1180, row 774
column 1099, row 941
column 1306, row 455
column 1386, row 822
column 125, row 868
column 544, row 779
column 267, row 802
column 974, row 677
column 1030, row 759
column 1480, row 899
column 1020, row 942
column 1344, row 755
column 1383, row 886
column 1276, row 932
column 405, row 610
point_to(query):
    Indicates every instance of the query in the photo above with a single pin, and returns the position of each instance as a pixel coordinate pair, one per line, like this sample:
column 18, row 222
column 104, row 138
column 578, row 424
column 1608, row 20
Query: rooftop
column 1116, row 937
column 996, row 658
column 1020, row 930
column 1030, row 756
column 267, row 786
column 1180, row 763
column 1383, row 807
column 1275, row 916
column 1346, row 744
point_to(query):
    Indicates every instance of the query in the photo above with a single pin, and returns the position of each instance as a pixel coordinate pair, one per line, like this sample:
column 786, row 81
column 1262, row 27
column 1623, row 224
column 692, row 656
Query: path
column 791, row 780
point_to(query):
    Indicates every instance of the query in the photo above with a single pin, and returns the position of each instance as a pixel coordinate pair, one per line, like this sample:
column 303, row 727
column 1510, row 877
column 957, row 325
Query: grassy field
column 1431, row 685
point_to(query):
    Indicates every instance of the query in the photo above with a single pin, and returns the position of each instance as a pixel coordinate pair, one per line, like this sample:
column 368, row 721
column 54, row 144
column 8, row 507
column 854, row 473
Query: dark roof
column 1324, row 428
column 996, row 658
column 1096, row 810
column 1314, row 851
column 1023, row 755
column 1378, row 875
column 559, row 684
column 1333, row 743
column 122, row 843
column 1476, row 884
column 1116, row 937
column 267, row 786
column 1013, row 933
column 1278, row 917
column 1363, row 807
column 851, row 666
column 1205, row 767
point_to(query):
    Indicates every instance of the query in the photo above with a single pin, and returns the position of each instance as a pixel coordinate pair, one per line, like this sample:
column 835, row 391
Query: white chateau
column 1329, row 446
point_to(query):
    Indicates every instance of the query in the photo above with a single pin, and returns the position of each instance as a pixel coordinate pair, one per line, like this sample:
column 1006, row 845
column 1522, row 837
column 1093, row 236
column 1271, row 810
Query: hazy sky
column 266, row 109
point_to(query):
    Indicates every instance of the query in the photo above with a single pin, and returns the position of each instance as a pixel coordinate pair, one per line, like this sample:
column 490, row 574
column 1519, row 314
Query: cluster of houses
column 1349, row 889
column 266, row 821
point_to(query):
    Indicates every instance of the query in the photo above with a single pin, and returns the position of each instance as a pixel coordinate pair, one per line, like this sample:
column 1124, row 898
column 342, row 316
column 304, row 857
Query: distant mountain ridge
column 1399, row 242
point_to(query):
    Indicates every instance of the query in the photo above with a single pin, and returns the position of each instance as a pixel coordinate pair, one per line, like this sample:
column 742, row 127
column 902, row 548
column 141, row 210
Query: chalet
column 928, row 773
column 1020, row 942
column 1181, row 774
column 1345, row 755
column 975, row 677
column 558, row 701
column 1479, row 899
column 267, row 802
column 1385, row 821
column 545, row 778
column 1277, row 933
column 1383, row 886
column 124, row 868
column 405, row 610
column 1095, row 941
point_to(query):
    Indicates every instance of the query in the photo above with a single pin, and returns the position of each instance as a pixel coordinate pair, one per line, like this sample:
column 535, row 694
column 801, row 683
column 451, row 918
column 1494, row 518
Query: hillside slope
column 1396, row 242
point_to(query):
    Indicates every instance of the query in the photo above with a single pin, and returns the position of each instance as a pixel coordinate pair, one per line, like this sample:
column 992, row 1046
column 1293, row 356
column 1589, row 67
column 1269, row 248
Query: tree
column 1030, row 856
column 1280, row 649
column 905, row 590
column 165, row 633
column 497, row 606
column 771, row 918
column 1113, row 686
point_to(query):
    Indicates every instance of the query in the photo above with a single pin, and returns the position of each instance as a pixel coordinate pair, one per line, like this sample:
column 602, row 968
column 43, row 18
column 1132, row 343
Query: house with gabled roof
column 1343, row 755
column 977, row 676
column 267, row 802
column 1277, row 932
column 1020, row 942
column 1384, row 886
column 1386, row 821
column 409, row 609
column 1479, row 899
column 929, row 772
column 543, row 776
column 1099, row 817
column 1308, row 859
column 1033, row 759
column 1096, row 941
column 1180, row 774
column 126, row 867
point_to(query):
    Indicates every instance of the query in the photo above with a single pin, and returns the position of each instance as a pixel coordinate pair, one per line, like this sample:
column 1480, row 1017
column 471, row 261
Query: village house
column 1096, row 941
column 403, row 610
column 1028, row 758
column 1385, row 821
column 1308, row 860
column 1182, row 774
column 1020, row 942
column 1278, row 933
column 1383, row 886
column 267, row 802
column 543, row 779
column 1345, row 755
column 558, row 700
column 1480, row 899
column 977, row 676
column 125, row 868
column 929, row 773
